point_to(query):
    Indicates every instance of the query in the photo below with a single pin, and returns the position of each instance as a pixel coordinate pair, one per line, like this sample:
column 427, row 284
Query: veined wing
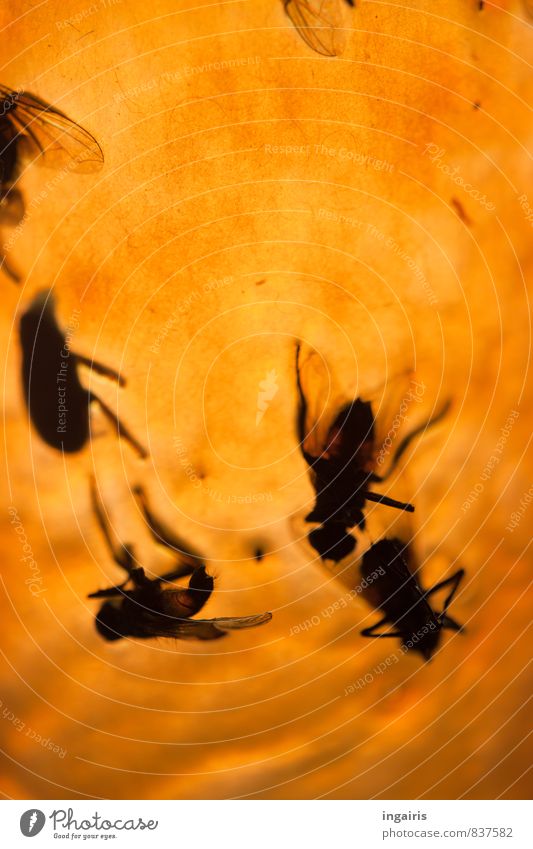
column 11, row 208
column 201, row 629
column 43, row 130
column 319, row 23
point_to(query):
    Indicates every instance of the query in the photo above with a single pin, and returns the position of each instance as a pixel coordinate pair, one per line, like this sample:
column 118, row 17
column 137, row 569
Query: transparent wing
column 9, row 270
column 237, row 623
column 45, row 131
column 11, row 208
column 203, row 629
column 319, row 23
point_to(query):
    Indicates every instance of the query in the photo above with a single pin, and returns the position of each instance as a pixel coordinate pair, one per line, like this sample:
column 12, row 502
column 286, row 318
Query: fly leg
column 188, row 561
column 370, row 632
column 121, row 429
column 454, row 582
column 121, row 554
column 105, row 371
column 389, row 502
column 406, row 442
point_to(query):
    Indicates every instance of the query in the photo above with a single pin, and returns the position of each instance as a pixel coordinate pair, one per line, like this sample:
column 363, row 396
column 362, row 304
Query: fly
column 344, row 473
column 57, row 402
column 406, row 606
column 145, row 607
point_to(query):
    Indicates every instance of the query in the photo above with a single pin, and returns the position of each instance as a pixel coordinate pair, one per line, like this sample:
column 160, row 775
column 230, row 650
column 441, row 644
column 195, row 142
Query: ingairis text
column 406, row 815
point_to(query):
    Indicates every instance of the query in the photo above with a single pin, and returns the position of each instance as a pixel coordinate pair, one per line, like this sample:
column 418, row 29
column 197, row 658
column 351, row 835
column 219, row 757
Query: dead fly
column 319, row 24
column 156, row 607
column 344, row 472
column 406, row 606
column 31, row 129
column 57, row 402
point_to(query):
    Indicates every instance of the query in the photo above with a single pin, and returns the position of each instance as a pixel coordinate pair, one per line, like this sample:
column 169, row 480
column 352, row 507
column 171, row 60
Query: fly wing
column 9, row 270
column 11, row 208
column 200, row 629
column 237, row 623
column 319, row 23
column 45, row 131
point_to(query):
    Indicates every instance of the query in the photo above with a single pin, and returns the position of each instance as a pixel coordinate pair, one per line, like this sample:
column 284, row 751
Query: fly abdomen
column 187, row 602
column 57, row 402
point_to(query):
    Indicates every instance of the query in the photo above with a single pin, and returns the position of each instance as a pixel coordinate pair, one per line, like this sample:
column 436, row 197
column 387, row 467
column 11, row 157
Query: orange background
column 192, row 193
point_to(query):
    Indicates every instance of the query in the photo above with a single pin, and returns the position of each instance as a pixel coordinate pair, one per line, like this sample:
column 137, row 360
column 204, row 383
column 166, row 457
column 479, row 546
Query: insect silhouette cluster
column 343, row 474
column 58, row 404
